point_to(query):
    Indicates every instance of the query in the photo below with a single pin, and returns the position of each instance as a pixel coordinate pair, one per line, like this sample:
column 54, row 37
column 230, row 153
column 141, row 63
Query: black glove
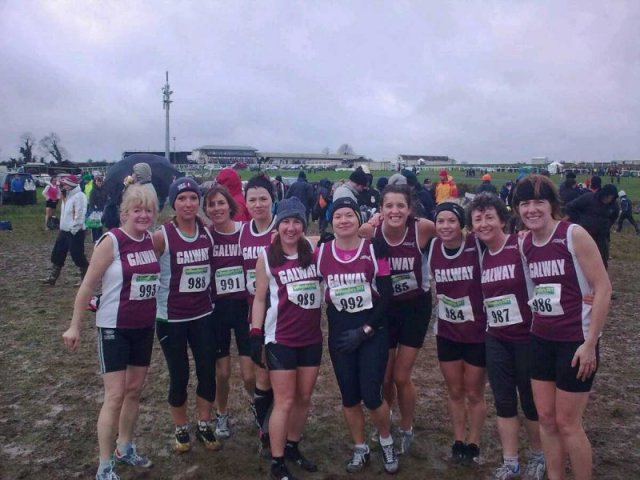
column 257, row 342
column 350, row 340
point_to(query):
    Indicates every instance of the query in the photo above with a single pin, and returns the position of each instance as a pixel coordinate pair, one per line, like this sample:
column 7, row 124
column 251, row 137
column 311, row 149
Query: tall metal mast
column 165, row 104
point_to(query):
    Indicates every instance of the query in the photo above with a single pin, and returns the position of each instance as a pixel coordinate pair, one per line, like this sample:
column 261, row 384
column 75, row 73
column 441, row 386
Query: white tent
column 554, row 168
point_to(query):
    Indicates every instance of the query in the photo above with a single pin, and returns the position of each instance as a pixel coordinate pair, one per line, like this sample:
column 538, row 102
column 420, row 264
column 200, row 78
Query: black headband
column 456, row 209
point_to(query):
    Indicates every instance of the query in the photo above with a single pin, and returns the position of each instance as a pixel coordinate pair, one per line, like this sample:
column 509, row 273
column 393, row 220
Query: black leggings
column 174, row 338
column 68, row 242
column 509, row 371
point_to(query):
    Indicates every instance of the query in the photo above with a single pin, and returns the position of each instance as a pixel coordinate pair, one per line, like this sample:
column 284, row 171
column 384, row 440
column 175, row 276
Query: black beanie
column 359, row 177
column 452, row 207
column 345, row 202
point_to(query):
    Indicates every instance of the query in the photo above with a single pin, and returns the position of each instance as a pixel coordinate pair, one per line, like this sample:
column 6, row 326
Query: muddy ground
column 50, row 397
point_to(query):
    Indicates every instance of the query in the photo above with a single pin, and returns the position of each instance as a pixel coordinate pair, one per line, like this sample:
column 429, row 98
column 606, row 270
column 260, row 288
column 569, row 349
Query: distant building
column 225, row 155
column 540, row 161
column 176, row 157
column 423, row 160
column 317, row 160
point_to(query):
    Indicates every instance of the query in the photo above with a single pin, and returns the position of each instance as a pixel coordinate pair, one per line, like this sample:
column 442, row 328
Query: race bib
column 503, row 311
column 352, row 298
column 251, row 281
column 195, row 279
column 546, row 299
column 144, row 286
column 305, row 294
column 455, row 310
column 229, row 280
column 403, row 282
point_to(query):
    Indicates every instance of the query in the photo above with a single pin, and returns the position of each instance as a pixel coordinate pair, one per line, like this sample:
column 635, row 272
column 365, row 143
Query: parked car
column 6, row 195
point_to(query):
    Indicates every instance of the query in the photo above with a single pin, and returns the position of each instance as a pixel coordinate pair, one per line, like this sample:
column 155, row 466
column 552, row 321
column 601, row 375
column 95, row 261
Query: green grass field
column 631, row 185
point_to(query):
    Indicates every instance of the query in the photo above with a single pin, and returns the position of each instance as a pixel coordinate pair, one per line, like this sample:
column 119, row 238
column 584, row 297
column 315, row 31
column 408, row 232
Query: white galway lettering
column 496, row 274
column 401, row 263
column 192, row 256
column 453, row 274
column 344, row 279
column 141, row 258
column 295, row 274
column 229, row 250
column 546, row 268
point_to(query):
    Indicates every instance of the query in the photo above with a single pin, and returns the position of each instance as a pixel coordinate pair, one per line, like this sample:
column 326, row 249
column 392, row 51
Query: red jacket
column 230, row 179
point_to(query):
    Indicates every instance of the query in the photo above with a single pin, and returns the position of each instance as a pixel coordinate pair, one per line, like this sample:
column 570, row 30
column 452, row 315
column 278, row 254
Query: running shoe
column 206, row 436
column 457, row 452
column 375, row 436
column 359, row 460
column 389, row 458
column 292, row 453
column 183, row 442
column 471, row 454
column 406, row 439
column 222, row 426
column 505, row 472
column 280, row 472
column 107, row 474
column 132, row 457
column 535, row 468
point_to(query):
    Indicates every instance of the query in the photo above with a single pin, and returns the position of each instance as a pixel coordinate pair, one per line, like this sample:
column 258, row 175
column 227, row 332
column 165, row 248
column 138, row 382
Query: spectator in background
column 381, row 183
column 142, row 176
column 429, row 187
column 423, row 207
column 279, row 187
column 569, row 190
column 369, row 197
column 323, row 203
column 446, row 188
column 626, row 212
column 97, row 202
column 506, row 192
column 352, row 187
column 486, row 185
column 17, row 189
column 595, row 184
column 51, row 193
column 71, row 236
column 231, row 179
column 596, row 212
column 303, row 191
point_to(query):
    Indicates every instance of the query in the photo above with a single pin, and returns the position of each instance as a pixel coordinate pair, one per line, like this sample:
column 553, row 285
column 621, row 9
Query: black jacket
column 303, row 190
column 594, row 216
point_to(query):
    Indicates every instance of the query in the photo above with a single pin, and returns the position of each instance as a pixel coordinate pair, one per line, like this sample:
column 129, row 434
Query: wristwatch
column 367, row 330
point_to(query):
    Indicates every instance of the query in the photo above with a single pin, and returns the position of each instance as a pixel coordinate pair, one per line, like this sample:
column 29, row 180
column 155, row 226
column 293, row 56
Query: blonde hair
column 138, row 195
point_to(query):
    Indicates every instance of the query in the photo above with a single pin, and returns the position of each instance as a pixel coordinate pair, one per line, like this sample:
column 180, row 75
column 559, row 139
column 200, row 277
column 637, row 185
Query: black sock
column 291, row 445
column 263, row 399
column 277, row 461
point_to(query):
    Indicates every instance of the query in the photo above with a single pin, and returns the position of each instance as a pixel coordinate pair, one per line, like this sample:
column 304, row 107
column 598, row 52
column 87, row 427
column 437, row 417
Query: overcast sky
column 479, row 81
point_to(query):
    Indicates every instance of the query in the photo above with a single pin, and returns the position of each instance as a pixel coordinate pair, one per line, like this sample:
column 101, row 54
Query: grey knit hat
column 291, row 207
column 143, row 172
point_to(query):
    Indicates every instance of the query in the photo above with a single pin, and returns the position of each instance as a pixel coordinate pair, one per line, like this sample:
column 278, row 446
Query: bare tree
column 51, row 145
column 345, row 149
column 27, row 141
column 326, row 151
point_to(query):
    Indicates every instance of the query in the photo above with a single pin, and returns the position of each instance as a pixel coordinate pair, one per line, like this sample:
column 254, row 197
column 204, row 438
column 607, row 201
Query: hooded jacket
column 230, row 179
column 73, row 212
column 589, row 212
